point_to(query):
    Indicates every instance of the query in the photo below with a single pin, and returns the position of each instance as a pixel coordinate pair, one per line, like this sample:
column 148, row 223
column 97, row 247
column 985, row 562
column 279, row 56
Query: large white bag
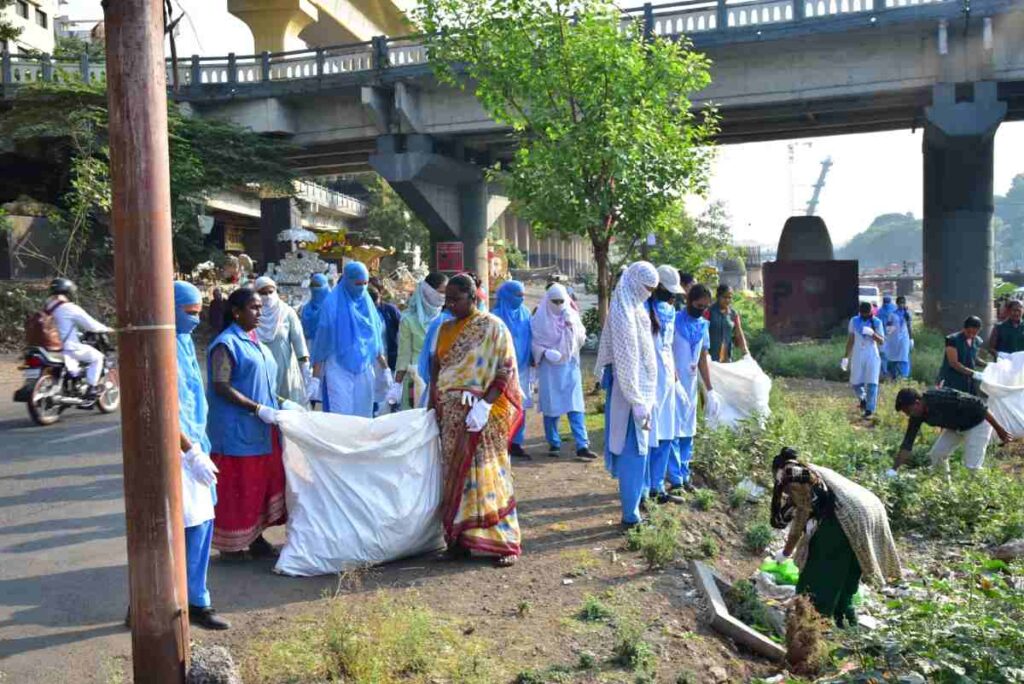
column 1004, row 384
column 360, row 491
column 743, row 390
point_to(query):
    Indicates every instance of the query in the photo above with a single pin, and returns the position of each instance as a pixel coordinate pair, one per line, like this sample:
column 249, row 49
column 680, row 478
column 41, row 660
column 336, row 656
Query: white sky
column 872, row 173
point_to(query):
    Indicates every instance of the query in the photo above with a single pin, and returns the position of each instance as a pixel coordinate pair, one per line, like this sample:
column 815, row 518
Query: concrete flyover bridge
column 782, row 69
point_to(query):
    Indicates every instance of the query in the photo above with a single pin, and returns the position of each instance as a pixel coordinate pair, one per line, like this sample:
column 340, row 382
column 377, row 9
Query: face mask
column 662, row 295
column 269, row 299
column 355, row 291
column 185, row 323
column 695, row 311
column 432, row 297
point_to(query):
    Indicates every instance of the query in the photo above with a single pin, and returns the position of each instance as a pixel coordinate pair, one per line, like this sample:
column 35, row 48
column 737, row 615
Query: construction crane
column 812, row 204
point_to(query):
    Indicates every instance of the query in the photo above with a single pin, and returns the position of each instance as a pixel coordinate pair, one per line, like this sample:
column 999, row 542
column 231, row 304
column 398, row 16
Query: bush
column 631, row 650
column 708, row 546
column 757, row 537
column 591, row 321
column 658, row 540
column 704, row 499
column 594, row 610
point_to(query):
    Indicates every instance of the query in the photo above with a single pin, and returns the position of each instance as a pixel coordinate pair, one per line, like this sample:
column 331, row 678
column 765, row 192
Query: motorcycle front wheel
column 111, row 398
column 41, row 407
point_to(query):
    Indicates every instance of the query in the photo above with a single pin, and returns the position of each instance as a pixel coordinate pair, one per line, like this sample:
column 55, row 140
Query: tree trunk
column 603, row 280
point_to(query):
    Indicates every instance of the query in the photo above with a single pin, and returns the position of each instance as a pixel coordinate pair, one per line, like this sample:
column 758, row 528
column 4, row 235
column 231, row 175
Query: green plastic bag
column 785, row 573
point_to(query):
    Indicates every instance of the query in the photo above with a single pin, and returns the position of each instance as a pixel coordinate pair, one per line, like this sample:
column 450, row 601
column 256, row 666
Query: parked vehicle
column 50, row 389
column 870, row 294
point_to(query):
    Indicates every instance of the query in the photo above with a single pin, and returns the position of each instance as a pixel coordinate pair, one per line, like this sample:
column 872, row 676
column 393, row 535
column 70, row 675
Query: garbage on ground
column 750, row 489
column 785, row 573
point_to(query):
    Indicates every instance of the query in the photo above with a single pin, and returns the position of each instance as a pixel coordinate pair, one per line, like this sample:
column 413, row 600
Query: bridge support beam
column 275, row 24
column 450, row 196
column 958, row 206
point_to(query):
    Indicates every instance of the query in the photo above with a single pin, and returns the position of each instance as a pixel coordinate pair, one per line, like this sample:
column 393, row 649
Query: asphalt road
column 63, row 564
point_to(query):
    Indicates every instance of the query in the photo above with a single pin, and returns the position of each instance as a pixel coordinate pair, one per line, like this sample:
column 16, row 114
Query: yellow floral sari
column 478, row 501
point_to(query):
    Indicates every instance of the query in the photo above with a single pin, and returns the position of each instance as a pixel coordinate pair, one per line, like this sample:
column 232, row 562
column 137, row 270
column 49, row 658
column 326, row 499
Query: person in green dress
column 1008, row 337
column 725, row 328
column 838, row 534
column 959, row 369
column 423, row 307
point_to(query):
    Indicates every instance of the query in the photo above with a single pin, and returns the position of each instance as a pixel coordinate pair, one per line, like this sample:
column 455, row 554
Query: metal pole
column 140, row 180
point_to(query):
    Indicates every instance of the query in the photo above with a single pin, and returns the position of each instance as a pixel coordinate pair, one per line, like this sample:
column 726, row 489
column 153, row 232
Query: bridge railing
column 667, row 20
column 314, row 193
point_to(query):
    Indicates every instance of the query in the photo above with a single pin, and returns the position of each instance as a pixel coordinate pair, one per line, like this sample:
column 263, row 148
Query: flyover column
column 473, row 233
column 958, row 205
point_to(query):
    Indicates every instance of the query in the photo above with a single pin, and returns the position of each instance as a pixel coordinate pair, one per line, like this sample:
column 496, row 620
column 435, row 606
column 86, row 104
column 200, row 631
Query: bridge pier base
column 958, row 206
column 277, row 214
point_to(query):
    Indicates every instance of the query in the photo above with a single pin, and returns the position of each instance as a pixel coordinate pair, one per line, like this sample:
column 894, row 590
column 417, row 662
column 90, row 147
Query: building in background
column 35, row 18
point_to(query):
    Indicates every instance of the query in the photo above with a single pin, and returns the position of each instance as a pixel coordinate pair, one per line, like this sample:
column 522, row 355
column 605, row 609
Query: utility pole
column 143, row 269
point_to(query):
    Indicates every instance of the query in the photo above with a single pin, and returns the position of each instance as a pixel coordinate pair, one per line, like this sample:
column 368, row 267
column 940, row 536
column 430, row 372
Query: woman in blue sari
column 516, row 317
column 349, row 349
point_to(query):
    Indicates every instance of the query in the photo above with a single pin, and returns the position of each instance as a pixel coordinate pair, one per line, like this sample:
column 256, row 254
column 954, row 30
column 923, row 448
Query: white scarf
column 272, row 313
column 626, row 341
column 557, row 326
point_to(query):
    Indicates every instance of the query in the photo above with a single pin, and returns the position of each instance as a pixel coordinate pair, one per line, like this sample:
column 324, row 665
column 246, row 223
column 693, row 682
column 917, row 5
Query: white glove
column 714, row 404
column 553, row 355
column 267, row 415
column 313, row 389
column 867, row 331
column 641, row 414
column 844, row 365
column 978, row 375
column 289, row 405
column 394, row 394
column 307, row 372
column 477, row 417
column 891, row 473
column 911, row 343
column 200, row 465
column 468, row 398
column 780, row 556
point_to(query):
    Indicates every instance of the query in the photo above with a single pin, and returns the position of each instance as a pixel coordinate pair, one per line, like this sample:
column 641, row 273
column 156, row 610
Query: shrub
column 708, row 546
column 745, row 605
column 757, row 537
column 631, row 650
column 704, row 499
column 658, row 540
column 594, row 610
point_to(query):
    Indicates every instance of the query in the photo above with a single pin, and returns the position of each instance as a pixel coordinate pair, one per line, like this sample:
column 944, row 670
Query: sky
column 872, row 173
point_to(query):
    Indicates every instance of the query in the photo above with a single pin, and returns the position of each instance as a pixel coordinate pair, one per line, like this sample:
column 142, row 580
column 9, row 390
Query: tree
column 688, row 243
column 71, row 49
column 8, row 31
column 1009, row 236
column 390, row 223
column 65, row 126
column 607, row 139
column 890, row 239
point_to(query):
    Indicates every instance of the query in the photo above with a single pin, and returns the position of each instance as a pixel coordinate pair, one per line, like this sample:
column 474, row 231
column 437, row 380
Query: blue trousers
column 679, row 461
column 520, row 434
column 657, row 466
column 576, row 424
column 197, row 559
column 868, row 393
column 630, row 469
column 898, row 369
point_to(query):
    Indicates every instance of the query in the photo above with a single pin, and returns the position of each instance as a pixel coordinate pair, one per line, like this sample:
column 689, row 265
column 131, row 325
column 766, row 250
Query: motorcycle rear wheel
column 41, row 409
column 110, row 400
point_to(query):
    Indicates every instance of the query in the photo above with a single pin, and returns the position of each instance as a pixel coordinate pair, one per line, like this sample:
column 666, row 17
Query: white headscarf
column 272, row 310
column 424, row 306
column 626, row 341
column 557, row 326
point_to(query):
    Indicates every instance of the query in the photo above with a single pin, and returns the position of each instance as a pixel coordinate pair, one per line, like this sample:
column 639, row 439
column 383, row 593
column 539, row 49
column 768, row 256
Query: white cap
column 668, row 276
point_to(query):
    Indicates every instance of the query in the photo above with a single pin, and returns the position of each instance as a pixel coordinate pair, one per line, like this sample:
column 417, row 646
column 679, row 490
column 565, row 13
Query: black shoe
column 627, row 526
column 517, row 451
column 261, row 548
column 555, row 451
column 92, row 393
column 863, row 405
column 207, row 618
column 669, row 497
column 586, row 453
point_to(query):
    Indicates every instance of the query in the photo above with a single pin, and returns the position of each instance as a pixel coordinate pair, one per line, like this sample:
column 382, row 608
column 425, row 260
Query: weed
column 631, row 650
column 757, row 537
column 737, row 499
column 594, row 610
column 581, row 561
column 523, row 609
column 687, row 677
column 556, row 674
column 704, row 499
column 708, row 546
column 658, row 540
column 587, row 661
column 745, row 605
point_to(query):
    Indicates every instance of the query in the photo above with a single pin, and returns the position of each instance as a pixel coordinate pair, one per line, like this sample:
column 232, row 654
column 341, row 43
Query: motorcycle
column 50, row 388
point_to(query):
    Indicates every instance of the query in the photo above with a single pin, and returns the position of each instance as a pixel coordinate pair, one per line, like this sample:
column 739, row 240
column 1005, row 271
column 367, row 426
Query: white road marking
column 82, row 435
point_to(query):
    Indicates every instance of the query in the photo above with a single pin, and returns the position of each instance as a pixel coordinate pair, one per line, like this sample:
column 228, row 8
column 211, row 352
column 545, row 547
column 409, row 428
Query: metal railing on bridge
column 688, row 17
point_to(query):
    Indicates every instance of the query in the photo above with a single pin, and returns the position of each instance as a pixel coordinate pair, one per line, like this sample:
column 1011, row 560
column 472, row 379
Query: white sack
column 360, row 491
column 743, row 390
column 1004, row 384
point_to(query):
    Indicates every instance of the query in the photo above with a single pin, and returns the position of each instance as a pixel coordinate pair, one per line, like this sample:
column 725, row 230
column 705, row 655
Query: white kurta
column 686, row 357
column 561, row 387
column 288, row 345
column 347, row 393
column 663, row 416
column 865, row 361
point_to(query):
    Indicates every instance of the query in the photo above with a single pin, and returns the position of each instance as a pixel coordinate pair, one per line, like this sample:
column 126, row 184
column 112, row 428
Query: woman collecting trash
column 838, row 533
column 281, row 330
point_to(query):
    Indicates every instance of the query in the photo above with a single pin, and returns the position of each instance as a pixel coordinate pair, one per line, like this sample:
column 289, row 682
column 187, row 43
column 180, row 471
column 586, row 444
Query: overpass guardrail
column 694, row 18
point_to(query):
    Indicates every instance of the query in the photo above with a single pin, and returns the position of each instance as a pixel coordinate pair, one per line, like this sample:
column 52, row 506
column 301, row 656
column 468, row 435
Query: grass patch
column 581, row 562
column 658, row 540
column 708, row 546
column 594, row 610
column 757, row 537
column 377, row 641
column 631, row 650
column 704, row 499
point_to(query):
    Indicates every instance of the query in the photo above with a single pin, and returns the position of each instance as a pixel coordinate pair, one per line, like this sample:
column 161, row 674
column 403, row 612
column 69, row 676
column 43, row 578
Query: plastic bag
column 743, row 390
column 359, row 491
column 1003, row 382
column 785, row 573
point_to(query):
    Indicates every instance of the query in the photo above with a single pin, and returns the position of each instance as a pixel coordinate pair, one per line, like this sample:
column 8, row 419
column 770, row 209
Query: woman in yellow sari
column 475, row 391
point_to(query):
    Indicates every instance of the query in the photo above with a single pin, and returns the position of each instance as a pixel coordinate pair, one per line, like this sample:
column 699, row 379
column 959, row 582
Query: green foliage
column 390, row 223
column 8, row 31
column 704, row 499
column 708, row 546
column 65, row 126
column 592, row 321
column 745, row 605
column 594, row 610
column 631, row 650
column 658, row 539
column 607, row 138
column 757, row 537
column 890, row 239
column 688, row 243
column 71, row 49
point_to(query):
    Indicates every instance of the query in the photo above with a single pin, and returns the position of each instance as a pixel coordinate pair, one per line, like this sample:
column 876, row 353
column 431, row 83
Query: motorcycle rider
column 70, row 319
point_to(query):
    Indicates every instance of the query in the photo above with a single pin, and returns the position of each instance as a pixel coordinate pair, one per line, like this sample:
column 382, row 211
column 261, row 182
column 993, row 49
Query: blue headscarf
column 354, row 330
column 886, row 310
column 318, row 291
column 510, row 308
column 192, row 406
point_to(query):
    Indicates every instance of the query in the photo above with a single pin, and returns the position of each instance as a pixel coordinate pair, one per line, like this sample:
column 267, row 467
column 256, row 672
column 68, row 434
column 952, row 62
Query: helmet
column 62, row 286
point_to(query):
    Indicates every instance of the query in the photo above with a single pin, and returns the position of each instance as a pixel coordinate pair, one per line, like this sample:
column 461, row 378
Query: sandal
column 456, row 552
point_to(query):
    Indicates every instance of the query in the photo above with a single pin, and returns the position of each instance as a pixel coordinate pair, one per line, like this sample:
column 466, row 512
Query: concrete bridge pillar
column 958, row 206
column 275, row 25
column 277, row 214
